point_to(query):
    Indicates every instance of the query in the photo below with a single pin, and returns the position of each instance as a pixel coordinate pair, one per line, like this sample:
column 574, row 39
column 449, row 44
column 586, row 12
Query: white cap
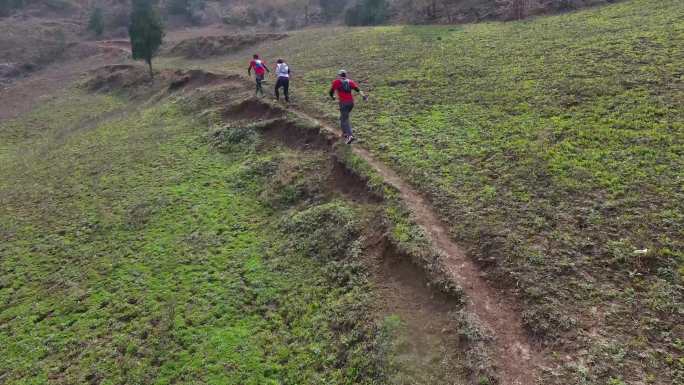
column 342, row 72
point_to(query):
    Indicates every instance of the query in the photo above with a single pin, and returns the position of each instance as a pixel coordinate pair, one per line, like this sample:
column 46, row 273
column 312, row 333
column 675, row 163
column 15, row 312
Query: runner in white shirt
column 283, row 74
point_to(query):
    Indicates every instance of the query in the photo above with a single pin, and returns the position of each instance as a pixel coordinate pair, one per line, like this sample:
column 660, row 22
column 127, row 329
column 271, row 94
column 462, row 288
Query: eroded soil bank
column 458, row 293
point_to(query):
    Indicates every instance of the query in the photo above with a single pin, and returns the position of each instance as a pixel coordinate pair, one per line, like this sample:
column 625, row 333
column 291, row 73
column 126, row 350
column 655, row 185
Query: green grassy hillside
column 135, row 252
column 157, row 243
column 553, row 147
column 137, row 247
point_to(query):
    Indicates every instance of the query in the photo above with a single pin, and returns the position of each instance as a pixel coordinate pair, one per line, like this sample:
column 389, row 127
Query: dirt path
column 517, row 360
column 514, row 353
column 426, row 348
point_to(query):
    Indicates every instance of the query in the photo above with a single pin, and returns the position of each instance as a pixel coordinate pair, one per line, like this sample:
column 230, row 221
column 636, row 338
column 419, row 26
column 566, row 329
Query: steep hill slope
column 553, row 148
column 167, row 232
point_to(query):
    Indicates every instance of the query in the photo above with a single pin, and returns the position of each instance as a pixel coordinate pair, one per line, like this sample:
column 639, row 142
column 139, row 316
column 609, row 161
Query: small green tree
column 146, row 32
column 96, row 22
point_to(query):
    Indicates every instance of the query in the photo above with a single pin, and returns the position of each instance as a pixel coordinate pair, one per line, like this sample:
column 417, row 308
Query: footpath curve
column 514, row 354
column 516, row 360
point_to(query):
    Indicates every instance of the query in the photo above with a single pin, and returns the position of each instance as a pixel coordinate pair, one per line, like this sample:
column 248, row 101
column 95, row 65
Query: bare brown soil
column 348, row 184
column 134, row 79
column 251, row 109
column 404, row 289
column 296, row 137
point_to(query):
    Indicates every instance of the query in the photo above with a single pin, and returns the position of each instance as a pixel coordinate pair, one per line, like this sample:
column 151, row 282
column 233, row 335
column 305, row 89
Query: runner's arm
column 332, row 92
column 357, row 89
column 267, row 70
column 249, row 69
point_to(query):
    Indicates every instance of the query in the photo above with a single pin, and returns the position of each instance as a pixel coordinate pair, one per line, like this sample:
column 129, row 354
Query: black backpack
column 346, row 86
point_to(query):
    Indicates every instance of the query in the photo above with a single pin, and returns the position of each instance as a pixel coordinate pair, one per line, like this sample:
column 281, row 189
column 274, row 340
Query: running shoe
column 349, row 139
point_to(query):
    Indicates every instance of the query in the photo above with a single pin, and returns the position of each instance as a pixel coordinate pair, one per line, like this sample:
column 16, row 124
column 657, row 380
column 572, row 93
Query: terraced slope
column 553, row 149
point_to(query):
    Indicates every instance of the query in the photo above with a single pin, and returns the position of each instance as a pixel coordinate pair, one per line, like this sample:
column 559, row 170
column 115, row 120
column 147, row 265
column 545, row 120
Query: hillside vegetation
column 34, row 33
column 150, row 236
column 135, row 253
column 153, row 234
column 554, row 149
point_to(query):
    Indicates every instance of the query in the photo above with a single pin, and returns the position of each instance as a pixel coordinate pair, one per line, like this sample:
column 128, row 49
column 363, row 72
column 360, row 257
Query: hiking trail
column 516, row 359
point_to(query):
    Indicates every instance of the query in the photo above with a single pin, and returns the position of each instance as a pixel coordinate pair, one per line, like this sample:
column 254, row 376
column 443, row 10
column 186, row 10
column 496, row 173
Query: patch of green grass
column 54, row 119
column 135, row 252
column 553, row 148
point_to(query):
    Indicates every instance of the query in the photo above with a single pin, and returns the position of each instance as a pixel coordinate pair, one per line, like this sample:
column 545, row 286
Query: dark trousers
column 259, row 79
column 345, row 123
column 285, row 84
